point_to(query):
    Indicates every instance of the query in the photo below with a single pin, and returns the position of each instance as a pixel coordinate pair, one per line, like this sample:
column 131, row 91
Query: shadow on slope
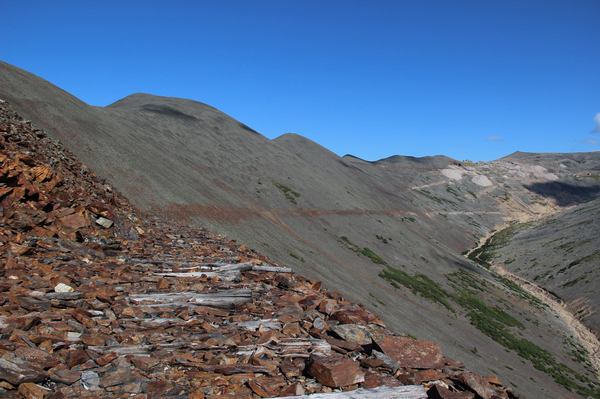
column 565, row 194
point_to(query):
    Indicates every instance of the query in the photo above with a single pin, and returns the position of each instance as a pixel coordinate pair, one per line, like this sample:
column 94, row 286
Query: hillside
column 561, row 253
column 388, row 234
column 101, row 301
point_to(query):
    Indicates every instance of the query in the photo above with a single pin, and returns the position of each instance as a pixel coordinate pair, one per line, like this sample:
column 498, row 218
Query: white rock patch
column 60, row 287
column 453, row 174
column 482, row 181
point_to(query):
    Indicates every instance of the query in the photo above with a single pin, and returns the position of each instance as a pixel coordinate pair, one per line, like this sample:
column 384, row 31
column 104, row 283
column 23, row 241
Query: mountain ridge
column 350, row 223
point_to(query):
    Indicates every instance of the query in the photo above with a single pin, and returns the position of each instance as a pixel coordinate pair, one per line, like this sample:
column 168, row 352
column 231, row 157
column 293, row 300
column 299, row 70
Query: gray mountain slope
column 562, row 254
column 338, row 219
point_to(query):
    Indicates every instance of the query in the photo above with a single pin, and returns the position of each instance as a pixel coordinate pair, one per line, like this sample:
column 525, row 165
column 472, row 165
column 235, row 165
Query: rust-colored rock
column 478, row 384
column 441, row 392
column 336, row 371
column 99, row 300
column 29, row 390
column 412, row 353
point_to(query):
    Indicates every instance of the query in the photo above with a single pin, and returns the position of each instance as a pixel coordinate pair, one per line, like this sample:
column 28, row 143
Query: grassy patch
column 300, row 258
column 487, row 252
column 520, row 292
column 377, row 300
column 434, row 198
column 383, row 239
column 369, row 253
column 372, row 255
column 499, row 326
column 289, row 194
column 419, row 284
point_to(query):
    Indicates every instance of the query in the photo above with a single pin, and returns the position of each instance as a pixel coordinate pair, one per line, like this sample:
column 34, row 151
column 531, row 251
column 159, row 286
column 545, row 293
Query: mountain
column 101, row 301
column 389, row 233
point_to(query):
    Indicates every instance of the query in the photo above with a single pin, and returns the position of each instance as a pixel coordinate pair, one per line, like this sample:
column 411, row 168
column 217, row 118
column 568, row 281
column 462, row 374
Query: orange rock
column 29, row 390
column 75, row 220
column 335, row 371
column 412, row 353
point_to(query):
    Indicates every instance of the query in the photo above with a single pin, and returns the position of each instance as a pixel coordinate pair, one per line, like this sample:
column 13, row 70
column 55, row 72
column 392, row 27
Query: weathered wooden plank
column 226, row 276
column 401, row 392
column 275, row 269
column 228, row 272
column 263, row 324
column 290, row 347
column 224, row 298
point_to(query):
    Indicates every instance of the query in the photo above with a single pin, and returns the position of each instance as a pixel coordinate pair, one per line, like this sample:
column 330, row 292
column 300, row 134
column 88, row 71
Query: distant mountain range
column 391, row 234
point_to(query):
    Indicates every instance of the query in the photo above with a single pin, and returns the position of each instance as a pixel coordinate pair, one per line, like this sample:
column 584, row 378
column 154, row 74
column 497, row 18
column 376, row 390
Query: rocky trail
column 98, row 301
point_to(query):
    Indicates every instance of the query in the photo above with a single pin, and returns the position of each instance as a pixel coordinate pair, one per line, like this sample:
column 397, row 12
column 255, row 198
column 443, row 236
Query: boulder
column 335, row 371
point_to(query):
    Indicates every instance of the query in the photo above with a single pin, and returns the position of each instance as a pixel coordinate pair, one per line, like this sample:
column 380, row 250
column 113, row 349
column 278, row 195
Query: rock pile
column 97, row 302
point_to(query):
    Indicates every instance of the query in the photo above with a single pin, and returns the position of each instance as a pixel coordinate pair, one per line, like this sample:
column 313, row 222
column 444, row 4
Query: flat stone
column 261, row 390
column 119, row 376
column 428, row 375
column 90, row 380
column 19, row 371
column 29, row 390
column 354, row 333
column 335, row 371
column 441, row 392
column 104, row 222
column 412, row 353
column 65, row 376
column 75, row 220
column 76, row 357
column 37, row 357
column 477, row 384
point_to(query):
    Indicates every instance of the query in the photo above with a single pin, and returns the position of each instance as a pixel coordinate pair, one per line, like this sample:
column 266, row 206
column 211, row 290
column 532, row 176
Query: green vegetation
column 489, row 319
column 468, row 162
column 290, row 194
column 369, row 253
column 487, row 252
column 377, row 300
column 432, row 197
column 520, row 292
column 300, row 258
column 383, row 239
column 419, row 284
column 372, row 255
column 499, row 325
column 578, row 353
column 408, row 219
column 468, row 280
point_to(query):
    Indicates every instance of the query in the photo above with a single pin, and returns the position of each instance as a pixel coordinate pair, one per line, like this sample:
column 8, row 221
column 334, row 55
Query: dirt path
column 582, row 334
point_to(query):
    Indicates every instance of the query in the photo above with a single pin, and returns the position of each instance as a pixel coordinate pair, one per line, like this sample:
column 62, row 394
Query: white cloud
column 597, row 121
column 496, row 138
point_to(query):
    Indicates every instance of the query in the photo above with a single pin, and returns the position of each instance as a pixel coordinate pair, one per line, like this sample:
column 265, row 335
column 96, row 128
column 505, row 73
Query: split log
column 401, row 392
column 225, row 276
column 290, row 347
column 275, row 269
column 219, row 299
column 265, row 324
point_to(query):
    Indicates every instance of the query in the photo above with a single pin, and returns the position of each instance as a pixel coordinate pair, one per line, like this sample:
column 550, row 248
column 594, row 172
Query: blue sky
column 469, row 79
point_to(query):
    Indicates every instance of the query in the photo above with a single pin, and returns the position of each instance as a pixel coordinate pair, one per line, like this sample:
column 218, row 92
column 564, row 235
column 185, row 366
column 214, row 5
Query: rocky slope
column 388, row 233
column 561, row 253
column 97, row 302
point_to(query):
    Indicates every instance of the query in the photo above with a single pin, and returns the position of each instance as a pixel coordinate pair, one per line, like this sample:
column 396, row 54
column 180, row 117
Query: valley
column 389, row 233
